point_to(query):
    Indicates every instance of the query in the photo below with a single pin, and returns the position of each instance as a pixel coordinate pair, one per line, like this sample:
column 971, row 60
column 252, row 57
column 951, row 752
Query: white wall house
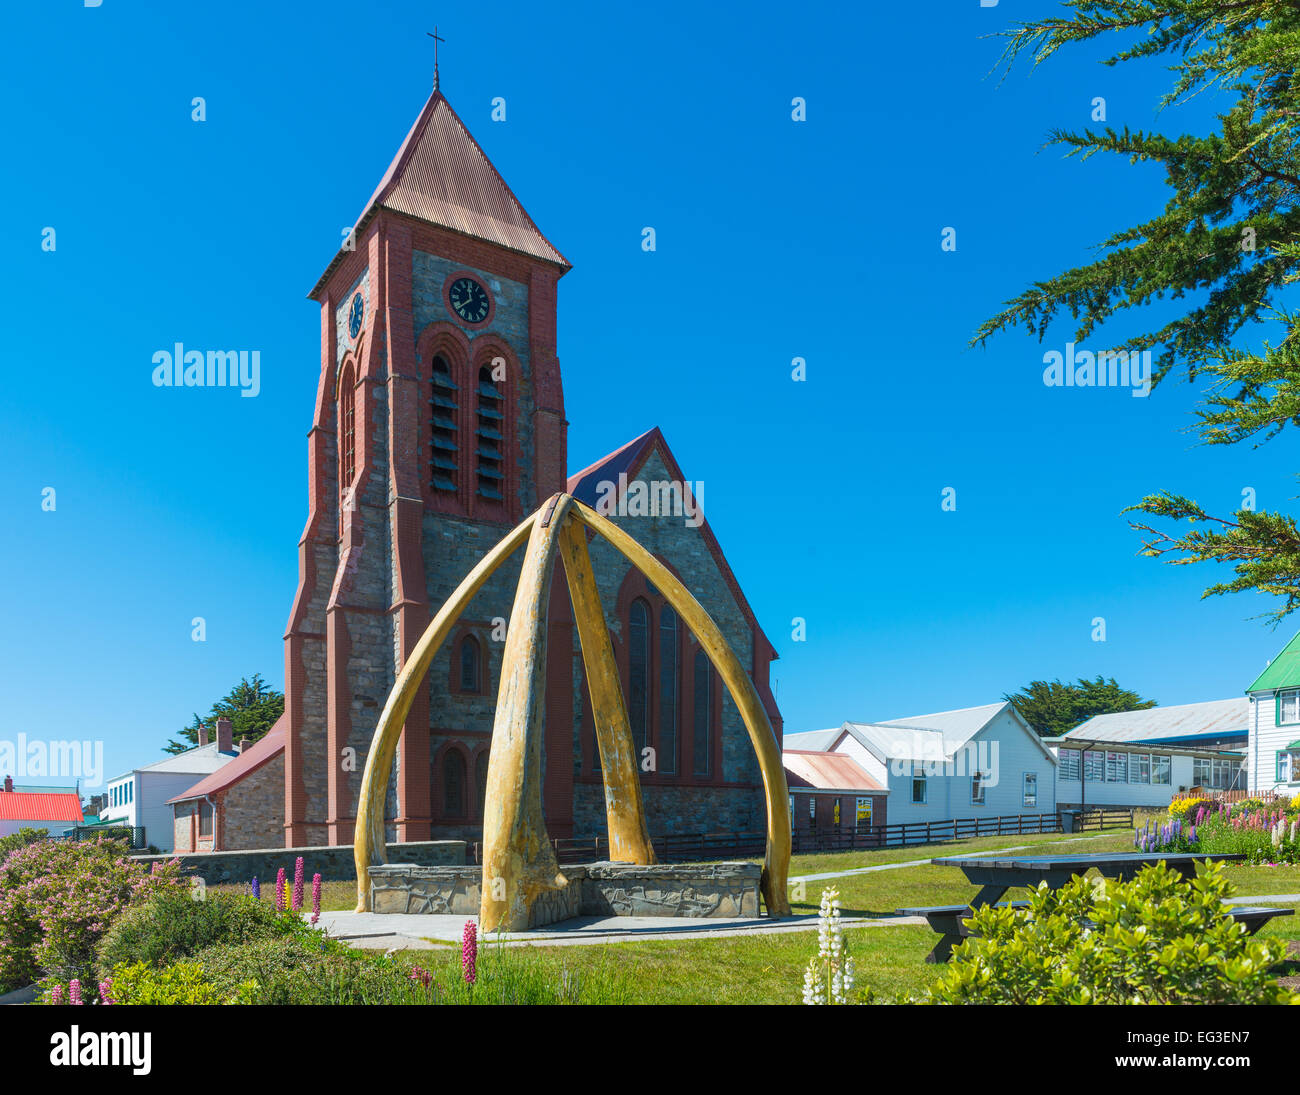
column 1273, row 755
column 1144, row 758
column 975, row 762
column 140, row 796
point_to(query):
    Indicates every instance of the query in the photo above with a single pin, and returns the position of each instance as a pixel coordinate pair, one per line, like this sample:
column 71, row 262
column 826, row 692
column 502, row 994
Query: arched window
column 453, row 783
column 489, row 438
column 702, row 761
column 443, row 414
column 638, row 659
column 669, row 675
column 480, row 781
column 347, row 436
column 470, row 665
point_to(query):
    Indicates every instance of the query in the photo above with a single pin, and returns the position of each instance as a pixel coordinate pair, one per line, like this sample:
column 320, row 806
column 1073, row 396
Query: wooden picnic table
column 997, row 874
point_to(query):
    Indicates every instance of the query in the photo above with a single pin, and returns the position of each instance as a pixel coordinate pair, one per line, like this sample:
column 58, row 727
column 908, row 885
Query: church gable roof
column 442, row 176
column 628, row 460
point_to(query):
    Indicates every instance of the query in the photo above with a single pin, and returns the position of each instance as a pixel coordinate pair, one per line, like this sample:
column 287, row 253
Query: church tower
column 439, row 425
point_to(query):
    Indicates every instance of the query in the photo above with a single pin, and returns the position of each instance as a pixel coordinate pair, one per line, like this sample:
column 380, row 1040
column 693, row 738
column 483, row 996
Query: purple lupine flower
column 257, row 889
column 74, row 991
column 279, row 890
column 297, row 884
column 315, row 897
column 469, row 952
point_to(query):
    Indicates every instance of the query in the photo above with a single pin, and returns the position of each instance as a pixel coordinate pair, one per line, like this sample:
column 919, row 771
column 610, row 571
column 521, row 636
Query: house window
column 444, row 412
column 470, row 665
column 1201, row 776
column 835, row 816
column 1288, row 707
column 1139, row 768
column 1116, row 768
column 1069, row 759
column 1160, row 773
column 638, row 658
column 1094, row 766
column 918, row 791
column 669, row 675
column 1029, row 788
column 205, row 819
column 453, row 783
column 864, row 806
column 1282, row 767
column 976, row 790
column 703, row 703
column 489, row 438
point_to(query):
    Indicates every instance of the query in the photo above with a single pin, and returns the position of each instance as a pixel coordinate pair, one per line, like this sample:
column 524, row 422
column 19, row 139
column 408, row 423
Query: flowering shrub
column 1183, row 808
column 1262, row 832
column 1154, row 940
column 829, row 977
column 58, row 898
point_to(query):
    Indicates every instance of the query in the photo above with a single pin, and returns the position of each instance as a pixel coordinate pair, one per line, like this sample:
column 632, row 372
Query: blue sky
column 775, row 239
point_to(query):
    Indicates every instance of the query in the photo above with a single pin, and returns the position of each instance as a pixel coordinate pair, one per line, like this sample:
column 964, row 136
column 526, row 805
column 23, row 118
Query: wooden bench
column 950, row 922
column 1256, row 916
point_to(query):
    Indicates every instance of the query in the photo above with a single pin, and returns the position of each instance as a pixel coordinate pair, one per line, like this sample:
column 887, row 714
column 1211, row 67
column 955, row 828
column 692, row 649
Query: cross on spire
column 434, row 35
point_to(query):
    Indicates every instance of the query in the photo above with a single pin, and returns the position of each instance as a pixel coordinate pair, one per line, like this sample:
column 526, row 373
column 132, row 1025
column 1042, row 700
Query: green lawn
column 768, row 969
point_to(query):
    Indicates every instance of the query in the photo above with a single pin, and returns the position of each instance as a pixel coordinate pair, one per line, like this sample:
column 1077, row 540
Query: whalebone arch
column 518, row 856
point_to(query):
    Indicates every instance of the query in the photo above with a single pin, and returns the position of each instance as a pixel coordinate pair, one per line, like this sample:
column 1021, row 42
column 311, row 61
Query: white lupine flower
column 829, row 977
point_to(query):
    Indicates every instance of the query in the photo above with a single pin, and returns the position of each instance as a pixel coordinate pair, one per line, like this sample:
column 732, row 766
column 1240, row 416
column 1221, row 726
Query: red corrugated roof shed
column 826, row 771
column 269, row 747
column 36, row 806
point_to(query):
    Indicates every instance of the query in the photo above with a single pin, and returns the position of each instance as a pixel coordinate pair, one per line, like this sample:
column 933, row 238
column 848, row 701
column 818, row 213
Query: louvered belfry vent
column 489, row 440
column 443, row 412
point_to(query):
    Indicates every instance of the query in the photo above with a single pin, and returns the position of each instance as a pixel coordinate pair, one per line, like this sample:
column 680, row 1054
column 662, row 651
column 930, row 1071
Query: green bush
column 1155, row 940
column 20, row 839
column 182, row 983
column 172, row 926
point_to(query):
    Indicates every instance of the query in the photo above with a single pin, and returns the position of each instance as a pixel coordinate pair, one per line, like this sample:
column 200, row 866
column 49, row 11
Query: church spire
column 434, row 35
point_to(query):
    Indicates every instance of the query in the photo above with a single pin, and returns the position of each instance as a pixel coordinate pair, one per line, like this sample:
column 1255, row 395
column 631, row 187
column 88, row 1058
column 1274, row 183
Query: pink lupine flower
column 297, row 884
column 279, row 890
column 469, row 952
column 420, row 974
column 74, row 991
column 106, row 991
column 56, row 994
column 315, row 897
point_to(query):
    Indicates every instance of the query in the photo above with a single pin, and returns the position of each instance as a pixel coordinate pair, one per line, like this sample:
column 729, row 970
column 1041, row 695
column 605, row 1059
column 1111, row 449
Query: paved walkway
column 923, row 862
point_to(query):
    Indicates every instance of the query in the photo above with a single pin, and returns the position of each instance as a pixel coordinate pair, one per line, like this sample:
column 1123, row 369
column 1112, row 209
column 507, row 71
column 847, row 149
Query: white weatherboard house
column 1273, row 755
column 976, row 762
column 1144, row 758
column 140, row 797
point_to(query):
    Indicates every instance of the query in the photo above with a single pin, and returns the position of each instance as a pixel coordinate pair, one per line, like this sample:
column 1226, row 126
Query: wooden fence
column 686, row 847
column 1229, row 796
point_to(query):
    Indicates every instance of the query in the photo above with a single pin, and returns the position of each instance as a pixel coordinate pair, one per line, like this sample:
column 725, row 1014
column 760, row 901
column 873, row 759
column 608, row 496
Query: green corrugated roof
column 1283, row 671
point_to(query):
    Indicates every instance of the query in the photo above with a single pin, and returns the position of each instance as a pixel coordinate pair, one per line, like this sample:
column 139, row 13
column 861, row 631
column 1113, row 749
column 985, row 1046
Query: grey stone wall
column 598, row 889
column 335, row 863
column 252, row 810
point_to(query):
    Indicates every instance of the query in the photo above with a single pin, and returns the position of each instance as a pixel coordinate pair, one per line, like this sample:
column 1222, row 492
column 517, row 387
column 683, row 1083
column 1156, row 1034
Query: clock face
column 469, row 300
column 356, row 315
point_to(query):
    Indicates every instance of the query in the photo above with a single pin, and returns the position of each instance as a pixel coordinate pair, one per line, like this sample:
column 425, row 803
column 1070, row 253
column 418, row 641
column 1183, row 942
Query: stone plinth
column 596, row 889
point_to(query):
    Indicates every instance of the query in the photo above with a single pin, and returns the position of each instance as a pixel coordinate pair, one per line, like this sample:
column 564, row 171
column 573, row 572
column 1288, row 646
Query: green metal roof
column 1283, row 671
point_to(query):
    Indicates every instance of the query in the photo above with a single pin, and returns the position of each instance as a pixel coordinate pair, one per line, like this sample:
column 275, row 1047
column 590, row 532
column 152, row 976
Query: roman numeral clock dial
column 469, row 300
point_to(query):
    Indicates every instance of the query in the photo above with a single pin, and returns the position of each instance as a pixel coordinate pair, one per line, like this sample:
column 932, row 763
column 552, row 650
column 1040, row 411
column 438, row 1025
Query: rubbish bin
column 1070, row 821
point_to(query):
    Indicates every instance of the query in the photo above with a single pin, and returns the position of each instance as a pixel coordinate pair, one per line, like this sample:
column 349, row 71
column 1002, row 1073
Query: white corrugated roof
column 1182, row 720
column 199, row 761
column 818, row 740
column 957, row 727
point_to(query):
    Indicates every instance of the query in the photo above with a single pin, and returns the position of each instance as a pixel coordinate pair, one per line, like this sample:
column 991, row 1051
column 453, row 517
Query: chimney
column 9, row 783
column 203, row 735
column 224, row 728
column 245, row 745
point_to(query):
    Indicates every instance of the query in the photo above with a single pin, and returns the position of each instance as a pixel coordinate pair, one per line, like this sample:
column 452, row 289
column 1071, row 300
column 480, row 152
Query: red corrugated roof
column 441, row 175
column 258, row 754
column 826, row 771
column 35, row 806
